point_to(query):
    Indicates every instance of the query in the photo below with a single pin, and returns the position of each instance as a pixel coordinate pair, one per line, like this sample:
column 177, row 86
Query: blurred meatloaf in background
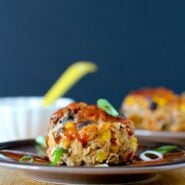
column 155, row 109
column 90, row 136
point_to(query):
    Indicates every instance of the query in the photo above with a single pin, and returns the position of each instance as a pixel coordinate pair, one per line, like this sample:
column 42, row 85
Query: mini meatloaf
column 155, row 109
column 90, row 136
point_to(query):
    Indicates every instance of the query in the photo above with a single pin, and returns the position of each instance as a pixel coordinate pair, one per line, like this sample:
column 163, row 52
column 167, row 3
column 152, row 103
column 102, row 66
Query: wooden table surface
column 12, row 177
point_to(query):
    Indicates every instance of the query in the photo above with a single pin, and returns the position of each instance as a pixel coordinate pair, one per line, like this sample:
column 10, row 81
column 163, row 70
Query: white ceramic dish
column 25, row 117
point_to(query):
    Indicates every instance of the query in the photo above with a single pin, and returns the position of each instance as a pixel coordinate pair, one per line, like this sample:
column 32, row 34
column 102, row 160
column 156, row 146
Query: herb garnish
column 26, row 158
column 41, row 140
column 57, row 154
column 166, row 149
column 107, row 107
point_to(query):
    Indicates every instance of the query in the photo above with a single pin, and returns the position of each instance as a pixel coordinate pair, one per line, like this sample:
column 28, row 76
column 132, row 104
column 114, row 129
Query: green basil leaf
column 57, row 154
column 166, row 149
column 107, row 107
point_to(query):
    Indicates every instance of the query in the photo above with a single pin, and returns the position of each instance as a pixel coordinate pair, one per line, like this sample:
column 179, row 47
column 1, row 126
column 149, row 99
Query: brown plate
column 136, row 171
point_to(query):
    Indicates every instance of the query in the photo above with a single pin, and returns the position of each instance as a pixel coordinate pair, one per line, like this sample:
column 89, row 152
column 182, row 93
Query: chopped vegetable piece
column 101, row 156
column 102, row 165
column 107, row 107
column 145, row 155
column 159, row 152
column 40, row 150
column 166, row 149
column 106, row 135
column 41, row 140
column 26, row 158
column 57, row 154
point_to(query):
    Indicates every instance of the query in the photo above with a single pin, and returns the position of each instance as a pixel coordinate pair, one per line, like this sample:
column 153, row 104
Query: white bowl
column 26, row 117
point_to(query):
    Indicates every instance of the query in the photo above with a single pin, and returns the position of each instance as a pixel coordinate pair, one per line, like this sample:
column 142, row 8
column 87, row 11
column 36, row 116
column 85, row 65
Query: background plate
column 162, row 135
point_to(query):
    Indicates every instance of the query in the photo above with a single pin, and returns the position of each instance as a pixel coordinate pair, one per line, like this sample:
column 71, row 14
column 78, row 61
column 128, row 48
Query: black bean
column 63, row 121
column 83, row 124
column 122, row 116
column 153, row 105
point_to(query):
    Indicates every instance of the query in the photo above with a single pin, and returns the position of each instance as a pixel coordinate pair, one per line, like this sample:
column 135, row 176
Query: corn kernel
column 106, row 135
column 130, row 100
column 133, row 142
column 182, row 107
column 69, row 124
column 160, row 101
column 66, row 143
column 101, row 156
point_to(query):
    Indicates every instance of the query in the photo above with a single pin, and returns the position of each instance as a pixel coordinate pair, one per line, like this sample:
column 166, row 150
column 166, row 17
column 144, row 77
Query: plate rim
column 92, row 170
column 178, row 135
column 115, row 170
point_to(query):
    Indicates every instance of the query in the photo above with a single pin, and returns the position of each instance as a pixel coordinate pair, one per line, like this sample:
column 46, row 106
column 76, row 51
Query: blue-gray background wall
column 134, row 43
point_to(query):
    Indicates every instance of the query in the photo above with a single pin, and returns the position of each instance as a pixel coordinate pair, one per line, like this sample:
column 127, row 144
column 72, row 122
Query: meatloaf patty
column 88, row 135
